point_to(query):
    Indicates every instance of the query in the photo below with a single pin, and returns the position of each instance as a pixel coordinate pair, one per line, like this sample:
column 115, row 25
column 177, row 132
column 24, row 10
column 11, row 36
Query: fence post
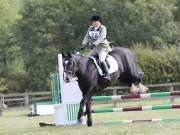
column 26, row 99
column 171, row 88
column 115, row 104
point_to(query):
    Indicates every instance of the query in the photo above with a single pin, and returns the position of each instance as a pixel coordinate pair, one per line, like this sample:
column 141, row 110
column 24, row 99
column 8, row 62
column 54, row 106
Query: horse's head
column 69, row 65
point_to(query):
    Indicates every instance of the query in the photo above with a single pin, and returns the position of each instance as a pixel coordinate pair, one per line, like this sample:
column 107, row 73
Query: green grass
column 16, row 122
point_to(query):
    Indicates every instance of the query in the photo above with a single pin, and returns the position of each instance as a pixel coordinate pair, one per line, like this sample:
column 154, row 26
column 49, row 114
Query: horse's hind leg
column 139, row 88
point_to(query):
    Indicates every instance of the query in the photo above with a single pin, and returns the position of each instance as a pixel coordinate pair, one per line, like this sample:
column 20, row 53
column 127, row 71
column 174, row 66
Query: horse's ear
column 69, row 55
column 63, row 55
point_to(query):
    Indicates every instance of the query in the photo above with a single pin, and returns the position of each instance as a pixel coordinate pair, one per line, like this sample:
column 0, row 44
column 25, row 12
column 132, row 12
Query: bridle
column 69, row 72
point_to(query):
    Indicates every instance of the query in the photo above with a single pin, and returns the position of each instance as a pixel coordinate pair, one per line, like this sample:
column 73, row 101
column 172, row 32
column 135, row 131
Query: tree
column 8, row 52
column 50, row 27
column 143, row 21
column 177, row 13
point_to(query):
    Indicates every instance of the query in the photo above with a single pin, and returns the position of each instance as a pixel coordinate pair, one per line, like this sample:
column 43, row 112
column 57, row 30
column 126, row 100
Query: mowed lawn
column 16, row 122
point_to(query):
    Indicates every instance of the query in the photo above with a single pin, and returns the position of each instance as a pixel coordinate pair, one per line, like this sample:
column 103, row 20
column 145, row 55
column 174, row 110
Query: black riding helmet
column 96, row 18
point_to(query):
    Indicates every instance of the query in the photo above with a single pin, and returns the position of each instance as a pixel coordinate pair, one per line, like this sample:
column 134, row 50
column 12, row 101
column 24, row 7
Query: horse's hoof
column 79, row 121
column 82, row 120
column 89, row 123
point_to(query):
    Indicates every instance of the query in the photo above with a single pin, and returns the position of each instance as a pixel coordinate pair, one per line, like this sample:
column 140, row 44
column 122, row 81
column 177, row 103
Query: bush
column 159, row 65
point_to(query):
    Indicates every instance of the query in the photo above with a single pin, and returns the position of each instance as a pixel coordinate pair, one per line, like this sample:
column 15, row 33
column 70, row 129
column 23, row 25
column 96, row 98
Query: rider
column 96, row 38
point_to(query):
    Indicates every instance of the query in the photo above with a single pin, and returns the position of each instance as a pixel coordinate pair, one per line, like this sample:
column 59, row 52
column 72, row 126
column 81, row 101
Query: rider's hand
column 92, row 46
column 82, row 47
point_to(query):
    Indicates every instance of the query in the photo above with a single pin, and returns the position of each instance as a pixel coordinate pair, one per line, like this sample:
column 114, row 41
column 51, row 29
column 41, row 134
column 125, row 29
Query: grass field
column 16, row 122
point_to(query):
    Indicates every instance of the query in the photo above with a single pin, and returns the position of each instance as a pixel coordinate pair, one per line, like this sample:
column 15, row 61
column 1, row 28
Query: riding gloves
column 82, row 47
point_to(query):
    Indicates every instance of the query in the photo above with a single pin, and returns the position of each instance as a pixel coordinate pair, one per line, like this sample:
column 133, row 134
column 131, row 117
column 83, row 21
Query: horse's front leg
column 88, row 111
column 81, row 110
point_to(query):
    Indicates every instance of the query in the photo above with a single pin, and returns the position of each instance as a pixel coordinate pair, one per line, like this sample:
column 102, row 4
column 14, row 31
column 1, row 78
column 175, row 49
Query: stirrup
column 107, row 77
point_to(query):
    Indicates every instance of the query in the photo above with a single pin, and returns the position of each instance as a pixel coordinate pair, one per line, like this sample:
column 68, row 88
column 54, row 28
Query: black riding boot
column 104, row 68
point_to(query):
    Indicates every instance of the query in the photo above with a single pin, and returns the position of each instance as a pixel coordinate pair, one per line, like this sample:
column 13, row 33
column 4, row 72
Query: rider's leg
column 102, row 58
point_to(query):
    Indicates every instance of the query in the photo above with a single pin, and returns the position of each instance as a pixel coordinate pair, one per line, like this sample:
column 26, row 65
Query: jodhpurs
column 101, row 53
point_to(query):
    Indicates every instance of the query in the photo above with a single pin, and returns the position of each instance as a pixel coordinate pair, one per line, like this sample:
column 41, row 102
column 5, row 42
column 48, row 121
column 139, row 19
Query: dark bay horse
column 89, row 79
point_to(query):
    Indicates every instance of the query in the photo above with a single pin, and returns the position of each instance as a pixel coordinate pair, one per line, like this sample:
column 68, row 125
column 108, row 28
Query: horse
column 89, row 79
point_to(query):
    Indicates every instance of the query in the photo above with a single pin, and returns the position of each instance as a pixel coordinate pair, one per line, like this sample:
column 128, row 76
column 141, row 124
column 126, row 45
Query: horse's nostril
column 67, row 79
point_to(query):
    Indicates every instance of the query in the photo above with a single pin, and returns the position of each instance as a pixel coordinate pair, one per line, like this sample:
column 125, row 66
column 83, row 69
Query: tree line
column 33, row 32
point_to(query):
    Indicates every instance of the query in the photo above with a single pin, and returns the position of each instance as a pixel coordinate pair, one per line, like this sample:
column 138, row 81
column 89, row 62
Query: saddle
column 98, row 62
column 110, row 61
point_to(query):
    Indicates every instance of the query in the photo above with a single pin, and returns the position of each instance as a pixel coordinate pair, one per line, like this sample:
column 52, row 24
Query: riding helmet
column 96, row 18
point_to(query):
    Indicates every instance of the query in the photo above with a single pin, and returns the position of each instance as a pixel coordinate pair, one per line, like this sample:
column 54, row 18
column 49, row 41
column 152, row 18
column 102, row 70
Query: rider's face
column 96, row 23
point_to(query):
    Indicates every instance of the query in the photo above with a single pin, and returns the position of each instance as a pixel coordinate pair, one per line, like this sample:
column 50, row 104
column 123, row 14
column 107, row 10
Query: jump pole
column 136, row 108
column 138, row 121
column 136, row 96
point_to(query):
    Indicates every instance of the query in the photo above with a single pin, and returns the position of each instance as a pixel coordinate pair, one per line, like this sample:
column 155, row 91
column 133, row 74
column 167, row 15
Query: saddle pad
column 112, row 63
